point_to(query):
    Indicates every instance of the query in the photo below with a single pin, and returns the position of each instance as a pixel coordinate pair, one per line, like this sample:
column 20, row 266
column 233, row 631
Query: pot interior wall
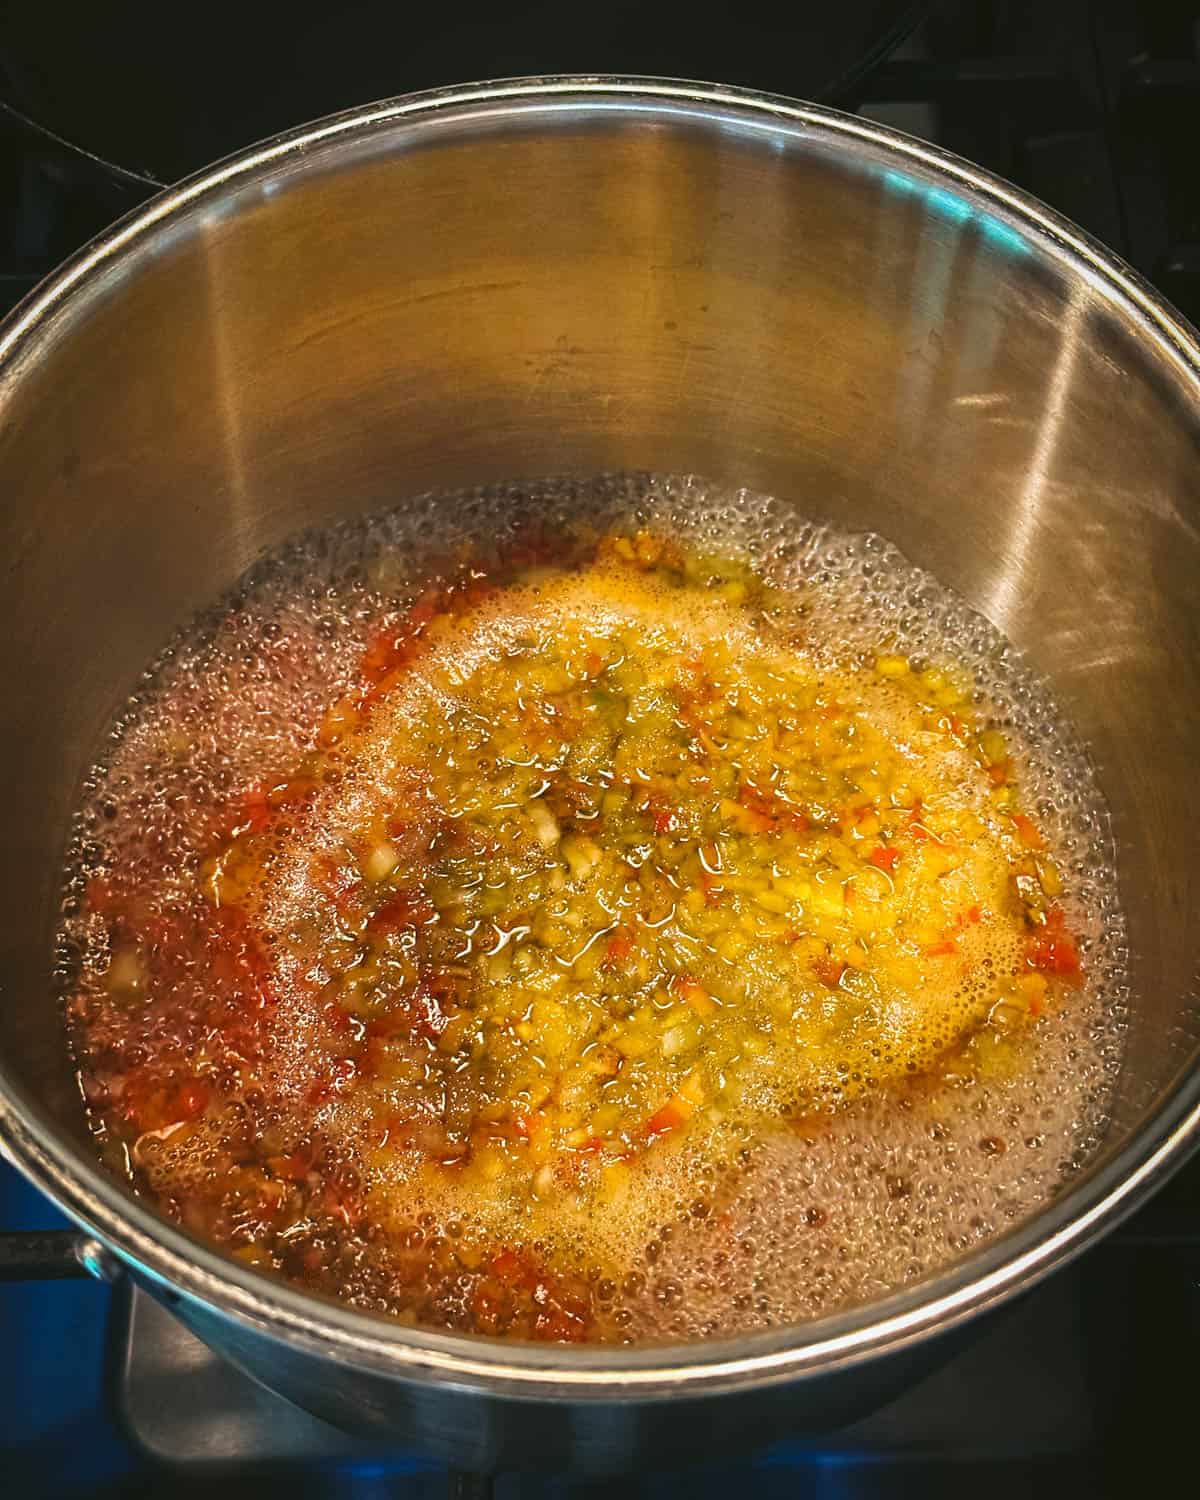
column 595, row 289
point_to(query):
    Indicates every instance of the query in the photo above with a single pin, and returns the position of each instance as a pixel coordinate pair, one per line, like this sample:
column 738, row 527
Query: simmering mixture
column 662, row 918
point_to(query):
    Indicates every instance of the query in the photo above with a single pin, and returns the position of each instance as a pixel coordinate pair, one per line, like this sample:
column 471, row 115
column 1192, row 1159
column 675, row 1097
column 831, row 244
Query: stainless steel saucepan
column 576, row 275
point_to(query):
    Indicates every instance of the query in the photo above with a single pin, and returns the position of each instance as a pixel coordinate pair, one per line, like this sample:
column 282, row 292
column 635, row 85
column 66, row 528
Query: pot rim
column 172, row 1263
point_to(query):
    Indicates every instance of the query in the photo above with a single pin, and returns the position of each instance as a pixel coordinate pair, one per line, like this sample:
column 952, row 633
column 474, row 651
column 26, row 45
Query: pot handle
column 54, row 1255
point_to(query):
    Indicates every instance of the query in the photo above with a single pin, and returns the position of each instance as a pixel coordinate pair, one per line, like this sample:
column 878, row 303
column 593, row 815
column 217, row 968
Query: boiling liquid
column 844, row 1203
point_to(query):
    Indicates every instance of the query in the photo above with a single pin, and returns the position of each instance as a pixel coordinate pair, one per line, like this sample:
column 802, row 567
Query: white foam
column 885, row 1191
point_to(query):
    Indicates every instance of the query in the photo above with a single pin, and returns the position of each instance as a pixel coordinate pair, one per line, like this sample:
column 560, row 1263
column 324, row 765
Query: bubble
column 796, row 1227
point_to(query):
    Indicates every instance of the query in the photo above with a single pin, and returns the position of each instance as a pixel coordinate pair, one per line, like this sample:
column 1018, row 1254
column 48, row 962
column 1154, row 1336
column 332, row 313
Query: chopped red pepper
column 408, row 908
column 559, row 1325
column 256, row 805
column 431, row 1020
column 712, row 888
column 618, row 948
column 884, row 857
column 514, row 1269
column 829, row 970
column 669, row 1117
column 191, row 1098
column 694, row 994
column 488, row 1310
column 1028, row 832
column 665, row 820
column 921, row 833
column 1053, row 950
column 760, row 813
column 255, row 813
column 295, row 1168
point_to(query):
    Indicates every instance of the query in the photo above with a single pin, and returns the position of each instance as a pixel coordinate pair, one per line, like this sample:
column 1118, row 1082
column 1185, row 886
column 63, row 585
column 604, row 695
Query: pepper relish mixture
column 600, row 878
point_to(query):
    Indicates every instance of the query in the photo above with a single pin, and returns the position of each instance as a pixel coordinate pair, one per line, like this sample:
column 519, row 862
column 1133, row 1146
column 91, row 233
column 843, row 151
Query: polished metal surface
column 183, row 1405
column 569, row 276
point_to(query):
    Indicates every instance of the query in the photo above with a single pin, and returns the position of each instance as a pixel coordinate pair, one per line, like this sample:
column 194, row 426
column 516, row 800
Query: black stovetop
column 1083, row 1387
